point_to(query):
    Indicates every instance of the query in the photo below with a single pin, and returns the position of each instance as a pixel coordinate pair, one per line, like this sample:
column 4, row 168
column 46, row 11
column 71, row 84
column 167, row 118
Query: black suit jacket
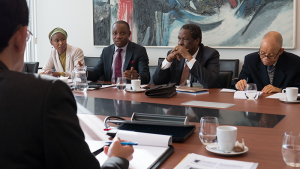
column 287, row 71
column 136, row 57
column 205, row 70
column 39, row 126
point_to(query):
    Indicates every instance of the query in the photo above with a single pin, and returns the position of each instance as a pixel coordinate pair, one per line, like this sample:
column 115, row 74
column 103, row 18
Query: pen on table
column 109, row 143
column 53, row 71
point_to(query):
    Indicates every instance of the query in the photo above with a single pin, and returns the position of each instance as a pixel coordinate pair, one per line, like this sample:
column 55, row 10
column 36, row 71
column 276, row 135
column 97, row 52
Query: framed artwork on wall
column 224, row 23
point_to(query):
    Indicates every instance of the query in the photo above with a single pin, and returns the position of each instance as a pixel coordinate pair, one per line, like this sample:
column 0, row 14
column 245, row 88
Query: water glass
column 291, row 148
column 121, row 83
column 79, row 78
column 251, row 91
column 208, row 130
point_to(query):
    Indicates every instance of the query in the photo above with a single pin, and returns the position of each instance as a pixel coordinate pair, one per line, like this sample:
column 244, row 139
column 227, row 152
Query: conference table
column 267, row 120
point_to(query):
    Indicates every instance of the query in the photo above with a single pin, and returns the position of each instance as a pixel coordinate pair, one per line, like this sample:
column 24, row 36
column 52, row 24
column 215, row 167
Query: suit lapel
column 128, row 56
column 263, row 74
column 279, row 74
column 110, row 58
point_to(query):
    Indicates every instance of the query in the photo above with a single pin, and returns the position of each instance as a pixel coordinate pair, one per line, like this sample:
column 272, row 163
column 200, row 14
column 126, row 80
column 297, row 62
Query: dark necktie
column 118, row 65
column 270, row 67
column 185, row 75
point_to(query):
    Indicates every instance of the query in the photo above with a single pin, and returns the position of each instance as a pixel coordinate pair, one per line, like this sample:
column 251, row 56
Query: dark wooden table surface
column 264, row 143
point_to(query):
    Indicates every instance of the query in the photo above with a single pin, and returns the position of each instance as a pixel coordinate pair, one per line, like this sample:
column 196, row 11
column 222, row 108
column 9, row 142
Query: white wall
column 76, row 17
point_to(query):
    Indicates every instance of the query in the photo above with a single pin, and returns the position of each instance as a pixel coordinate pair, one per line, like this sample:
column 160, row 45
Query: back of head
column 195, row 31
column 13, row 14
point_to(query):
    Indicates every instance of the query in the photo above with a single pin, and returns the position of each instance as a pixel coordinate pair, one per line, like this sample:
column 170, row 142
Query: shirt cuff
column 165, row 64
column 190, row 64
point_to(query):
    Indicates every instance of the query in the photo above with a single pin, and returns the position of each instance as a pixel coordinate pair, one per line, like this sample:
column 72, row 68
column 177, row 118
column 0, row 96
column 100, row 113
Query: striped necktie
column 118, row 65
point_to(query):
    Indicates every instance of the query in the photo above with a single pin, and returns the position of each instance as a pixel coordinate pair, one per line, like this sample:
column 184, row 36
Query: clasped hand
column 179, row 52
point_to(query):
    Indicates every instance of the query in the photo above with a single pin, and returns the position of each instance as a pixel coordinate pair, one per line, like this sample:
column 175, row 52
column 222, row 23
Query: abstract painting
column 224, row 23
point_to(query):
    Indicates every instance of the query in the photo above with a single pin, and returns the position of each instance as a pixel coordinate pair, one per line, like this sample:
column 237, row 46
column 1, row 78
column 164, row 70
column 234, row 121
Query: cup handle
column 283, row 90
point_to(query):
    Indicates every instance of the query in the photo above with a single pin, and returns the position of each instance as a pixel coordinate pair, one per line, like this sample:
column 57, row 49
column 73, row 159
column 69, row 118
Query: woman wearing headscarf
column 63, row 57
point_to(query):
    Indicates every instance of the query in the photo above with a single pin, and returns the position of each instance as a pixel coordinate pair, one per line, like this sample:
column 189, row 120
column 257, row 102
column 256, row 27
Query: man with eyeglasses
column 271, row 68
column 38, row 123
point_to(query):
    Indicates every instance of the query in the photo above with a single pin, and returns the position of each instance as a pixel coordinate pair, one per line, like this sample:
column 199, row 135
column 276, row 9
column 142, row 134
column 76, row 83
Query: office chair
column 224, row 79
column 90, row 62
column 230, row 65
column 30, row 67
column 152, row 71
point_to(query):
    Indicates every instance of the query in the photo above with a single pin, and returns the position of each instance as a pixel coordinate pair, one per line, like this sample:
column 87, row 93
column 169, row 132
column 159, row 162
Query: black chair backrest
column 224, row 79
column 90, row 62
column 152, row 71
column 160, row 60
column 31, row 67
column 230, row 65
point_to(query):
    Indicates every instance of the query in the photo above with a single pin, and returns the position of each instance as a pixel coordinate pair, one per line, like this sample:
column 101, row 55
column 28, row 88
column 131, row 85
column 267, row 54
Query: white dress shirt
column 123, row 54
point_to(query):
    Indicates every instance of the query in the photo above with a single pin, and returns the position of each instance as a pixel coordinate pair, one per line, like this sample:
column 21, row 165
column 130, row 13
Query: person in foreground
column 38, row 122
column 63, row 57
column 124, row 56
column 271, row 68
column 190, row 60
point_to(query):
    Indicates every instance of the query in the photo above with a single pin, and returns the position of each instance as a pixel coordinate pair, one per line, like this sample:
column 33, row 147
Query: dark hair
column 122, row 22
column 13, row 14
column 195, row 31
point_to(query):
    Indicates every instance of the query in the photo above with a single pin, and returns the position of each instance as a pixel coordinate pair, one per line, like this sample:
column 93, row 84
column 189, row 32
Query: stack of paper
column 196, row 161
column 241, row 94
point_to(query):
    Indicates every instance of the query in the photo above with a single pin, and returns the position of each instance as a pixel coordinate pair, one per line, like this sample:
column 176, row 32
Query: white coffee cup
column 226, row 137
column 136, row 84
column 64, row 79
column 291, row 93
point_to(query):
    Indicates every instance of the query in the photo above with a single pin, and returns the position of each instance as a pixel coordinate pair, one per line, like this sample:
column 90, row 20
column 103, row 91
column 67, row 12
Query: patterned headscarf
column 57, row 30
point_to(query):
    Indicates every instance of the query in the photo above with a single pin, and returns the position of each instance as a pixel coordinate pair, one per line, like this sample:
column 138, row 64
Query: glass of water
column 121, row 83
column 208, row 130
column 251, row 91
column 291, row 148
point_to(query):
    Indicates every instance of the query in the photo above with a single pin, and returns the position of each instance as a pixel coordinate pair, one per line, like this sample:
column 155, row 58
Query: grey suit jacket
column 205, row 70
column 136, row 57
column 39, row 126
column 287, row 71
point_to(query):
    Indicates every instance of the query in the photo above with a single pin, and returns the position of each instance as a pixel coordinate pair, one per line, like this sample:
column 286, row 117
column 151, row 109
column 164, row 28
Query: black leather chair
column 224, row 79
column 230, row 65
column 152, row 71
column 160, row 60
column 30, row 67
column 90, row 62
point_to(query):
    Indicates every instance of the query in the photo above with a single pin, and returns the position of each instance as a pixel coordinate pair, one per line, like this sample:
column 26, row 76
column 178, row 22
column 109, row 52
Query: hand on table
column 48, row 72
column 241, row 84
column 118, row 150
column 131, row 74
column 271, row 89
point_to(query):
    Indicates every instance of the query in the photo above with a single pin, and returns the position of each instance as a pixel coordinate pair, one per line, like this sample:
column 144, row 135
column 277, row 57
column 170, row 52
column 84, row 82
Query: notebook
column 190, row 89
column 152, row 149
column 179, row 132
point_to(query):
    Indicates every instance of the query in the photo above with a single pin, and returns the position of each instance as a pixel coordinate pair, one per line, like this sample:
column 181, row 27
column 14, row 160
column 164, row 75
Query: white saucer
column 135, row 91
column 283, row 99
column 215, row 149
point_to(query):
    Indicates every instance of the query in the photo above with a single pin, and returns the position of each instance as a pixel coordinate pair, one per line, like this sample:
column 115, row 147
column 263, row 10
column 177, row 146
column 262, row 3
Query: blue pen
column 123, row 143
column 54, row 71
column 109, row 143
column 247, row 79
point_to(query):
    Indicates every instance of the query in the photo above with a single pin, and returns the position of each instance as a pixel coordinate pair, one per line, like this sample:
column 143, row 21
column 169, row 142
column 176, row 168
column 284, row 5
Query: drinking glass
column 208, row 130
column 251, row 91
column 291, row 148
column 79, row 78
column 121, row 83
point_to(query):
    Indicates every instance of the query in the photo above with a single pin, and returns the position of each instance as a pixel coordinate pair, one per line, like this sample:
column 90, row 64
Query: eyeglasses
column 263, row 55
column 29, row 36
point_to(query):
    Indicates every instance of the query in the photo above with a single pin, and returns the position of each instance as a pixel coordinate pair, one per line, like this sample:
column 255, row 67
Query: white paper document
column 278, row 96
column 228, row 90
column 195, row 161
column 207, row 104
column 150, row 148
column 241, row 94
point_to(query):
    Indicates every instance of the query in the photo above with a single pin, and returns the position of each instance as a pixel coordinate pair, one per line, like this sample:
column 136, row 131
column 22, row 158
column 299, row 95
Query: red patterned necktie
column 118, row 65
column 185, row 75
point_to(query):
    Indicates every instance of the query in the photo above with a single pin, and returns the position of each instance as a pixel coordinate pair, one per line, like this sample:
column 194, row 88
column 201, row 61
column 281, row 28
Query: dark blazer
column 205, row 70
column 39, row 126
column 136, row 57
column 287, row 71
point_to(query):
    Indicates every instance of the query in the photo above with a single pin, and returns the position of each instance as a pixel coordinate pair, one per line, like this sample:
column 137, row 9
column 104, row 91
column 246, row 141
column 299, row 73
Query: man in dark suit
column 271, row 68
column 190, row 61
column 38, row 123
column 123, row 56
